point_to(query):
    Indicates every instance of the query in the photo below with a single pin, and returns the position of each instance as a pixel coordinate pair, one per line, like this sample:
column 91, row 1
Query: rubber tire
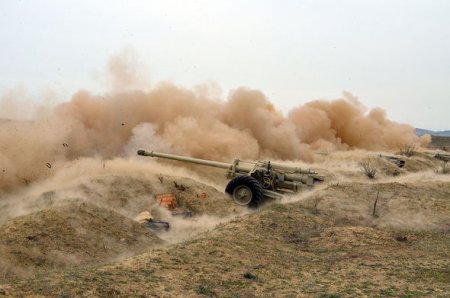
column 250, row 182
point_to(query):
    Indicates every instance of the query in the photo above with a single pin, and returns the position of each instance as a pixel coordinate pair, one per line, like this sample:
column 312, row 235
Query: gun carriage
column 253, row 181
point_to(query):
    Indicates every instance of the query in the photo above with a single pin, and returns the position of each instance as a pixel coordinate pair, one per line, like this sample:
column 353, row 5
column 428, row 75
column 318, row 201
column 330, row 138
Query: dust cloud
column 416, row 199
column 182, row 229
column 168, row 117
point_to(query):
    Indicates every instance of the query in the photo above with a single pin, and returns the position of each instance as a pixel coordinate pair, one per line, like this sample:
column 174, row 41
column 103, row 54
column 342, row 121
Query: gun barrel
column 210, row 163
column 292, row 169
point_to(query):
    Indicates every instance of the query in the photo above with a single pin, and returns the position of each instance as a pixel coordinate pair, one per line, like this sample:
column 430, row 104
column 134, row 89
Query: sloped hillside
column 335, row 247
column 69, row 235
column 350, row 236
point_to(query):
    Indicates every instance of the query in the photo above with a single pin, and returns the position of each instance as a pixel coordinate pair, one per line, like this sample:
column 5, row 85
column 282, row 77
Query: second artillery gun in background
column 251, row 182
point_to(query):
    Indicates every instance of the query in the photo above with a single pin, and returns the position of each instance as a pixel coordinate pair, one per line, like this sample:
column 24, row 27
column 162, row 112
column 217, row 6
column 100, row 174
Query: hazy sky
column 393, row 54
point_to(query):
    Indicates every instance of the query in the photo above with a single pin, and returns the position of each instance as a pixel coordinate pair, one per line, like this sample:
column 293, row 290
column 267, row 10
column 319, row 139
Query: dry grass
column 281, row 250
column 328, row 243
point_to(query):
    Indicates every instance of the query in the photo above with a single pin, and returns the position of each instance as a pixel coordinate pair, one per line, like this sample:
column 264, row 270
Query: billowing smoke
column 344, row 124
column 188, row 121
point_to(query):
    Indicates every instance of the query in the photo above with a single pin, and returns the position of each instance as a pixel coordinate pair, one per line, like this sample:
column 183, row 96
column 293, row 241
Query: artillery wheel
column 245, row 190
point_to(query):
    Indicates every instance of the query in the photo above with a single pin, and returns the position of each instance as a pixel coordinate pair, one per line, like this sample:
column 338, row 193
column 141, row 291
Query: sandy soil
column 74, row 234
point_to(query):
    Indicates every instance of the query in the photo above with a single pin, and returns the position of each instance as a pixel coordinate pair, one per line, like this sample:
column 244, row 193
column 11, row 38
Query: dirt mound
column 421, row 162
column 130, row 195
column 346, row 166
column 280, row 250
column 124, row 193
column 197, row 197
column 384, row 166
column 404, row 205
column 332, row 238
column 73, row 234
column 92, row 222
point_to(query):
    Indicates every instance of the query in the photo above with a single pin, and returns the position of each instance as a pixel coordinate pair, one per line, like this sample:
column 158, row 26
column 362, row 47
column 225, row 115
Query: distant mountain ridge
column 443, row 133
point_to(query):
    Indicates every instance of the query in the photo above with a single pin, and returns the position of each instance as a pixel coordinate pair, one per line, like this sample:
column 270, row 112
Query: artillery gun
column 253, row 181
column 442, row 156
column 399, row 162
